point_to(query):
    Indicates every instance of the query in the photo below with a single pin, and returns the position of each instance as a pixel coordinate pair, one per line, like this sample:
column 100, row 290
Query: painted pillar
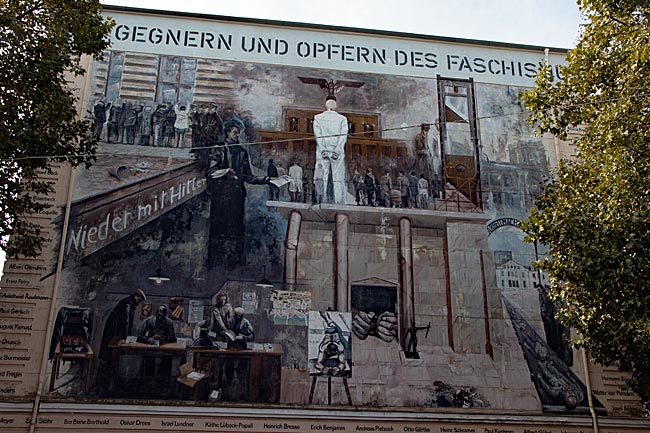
column 450, row 317
column 291, row 249
column 407, row 288
column 341, row 271
column 486, row 311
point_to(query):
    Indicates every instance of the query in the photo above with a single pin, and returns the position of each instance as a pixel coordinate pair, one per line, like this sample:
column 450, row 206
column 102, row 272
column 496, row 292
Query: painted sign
column 502, row 222
column 290, row 308
column 100, row 220
column 342, row 51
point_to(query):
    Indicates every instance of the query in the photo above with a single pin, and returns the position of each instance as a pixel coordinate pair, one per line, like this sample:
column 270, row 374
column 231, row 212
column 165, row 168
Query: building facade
column 298, row 228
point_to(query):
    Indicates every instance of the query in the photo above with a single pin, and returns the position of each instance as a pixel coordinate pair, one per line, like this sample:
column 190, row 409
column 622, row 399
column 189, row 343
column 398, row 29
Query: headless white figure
column 331, row 133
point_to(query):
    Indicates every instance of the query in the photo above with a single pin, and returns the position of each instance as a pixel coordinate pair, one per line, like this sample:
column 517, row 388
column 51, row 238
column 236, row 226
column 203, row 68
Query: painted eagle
column 331, row 86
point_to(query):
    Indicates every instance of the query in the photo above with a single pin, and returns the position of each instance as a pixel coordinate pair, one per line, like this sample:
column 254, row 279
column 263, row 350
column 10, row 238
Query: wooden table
column 120, row 348
column 264, row 368
column 86, row 356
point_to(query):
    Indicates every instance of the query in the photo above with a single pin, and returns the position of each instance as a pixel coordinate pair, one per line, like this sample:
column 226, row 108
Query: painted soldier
column 369, row 181
column 385, row 187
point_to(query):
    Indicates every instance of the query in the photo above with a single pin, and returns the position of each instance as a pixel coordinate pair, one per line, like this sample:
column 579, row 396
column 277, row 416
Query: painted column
column 291, row 249
column 341, row 272
column 450, row 317
column 407, row 289
column 486, row 311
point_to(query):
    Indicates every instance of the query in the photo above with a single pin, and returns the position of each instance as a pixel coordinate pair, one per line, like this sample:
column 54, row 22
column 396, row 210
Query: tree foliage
column 594, row 213
column 41, row 44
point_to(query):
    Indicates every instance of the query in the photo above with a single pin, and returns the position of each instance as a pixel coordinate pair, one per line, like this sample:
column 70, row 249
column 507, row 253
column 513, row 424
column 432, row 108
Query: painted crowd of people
column 159, row 125
column 404, row 191
column 166, row 125
column 307, row 185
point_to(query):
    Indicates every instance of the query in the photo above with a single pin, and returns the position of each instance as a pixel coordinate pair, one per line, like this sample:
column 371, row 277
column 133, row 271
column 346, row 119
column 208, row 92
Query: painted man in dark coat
column 272, row 171
column 120, row 322
column 228, row 171
column 99, row 111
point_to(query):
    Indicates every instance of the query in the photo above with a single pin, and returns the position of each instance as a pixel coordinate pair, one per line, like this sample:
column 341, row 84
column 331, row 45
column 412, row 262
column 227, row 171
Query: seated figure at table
column 156, row 368
column 158, row 329
column 240, row 329
column 203, row 341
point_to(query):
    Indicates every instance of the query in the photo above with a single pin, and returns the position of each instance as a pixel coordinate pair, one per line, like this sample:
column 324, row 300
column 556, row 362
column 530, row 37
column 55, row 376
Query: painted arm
column 321, row 145
column 170, row 335
column 247, row 173
column 143, row 336
column 343, row 136
column 129, row 310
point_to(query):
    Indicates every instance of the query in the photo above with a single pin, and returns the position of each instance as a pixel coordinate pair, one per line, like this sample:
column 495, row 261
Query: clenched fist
column 387, row 326
column 364, row 324
column 383, row 326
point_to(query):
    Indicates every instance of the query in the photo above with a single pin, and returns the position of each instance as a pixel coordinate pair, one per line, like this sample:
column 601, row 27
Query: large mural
column 263, row 232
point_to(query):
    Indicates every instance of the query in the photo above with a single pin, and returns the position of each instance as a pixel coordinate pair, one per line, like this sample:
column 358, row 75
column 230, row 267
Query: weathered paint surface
column 415, row 289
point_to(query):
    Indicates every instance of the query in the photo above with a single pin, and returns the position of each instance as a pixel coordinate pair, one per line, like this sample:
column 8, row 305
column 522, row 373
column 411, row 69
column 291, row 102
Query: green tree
column 594, row 212
column 41, row 44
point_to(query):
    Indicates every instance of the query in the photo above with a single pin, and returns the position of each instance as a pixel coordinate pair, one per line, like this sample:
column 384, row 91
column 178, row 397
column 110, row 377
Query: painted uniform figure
column 99, row 112
column 369, row 181
column 385, row 187
column 413, row 190
column 158, row 121
column 436, row 187
column 422, row 152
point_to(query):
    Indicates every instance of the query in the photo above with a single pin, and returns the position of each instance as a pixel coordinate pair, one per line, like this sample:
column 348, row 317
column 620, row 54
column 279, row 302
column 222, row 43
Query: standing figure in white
column 331, row 133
